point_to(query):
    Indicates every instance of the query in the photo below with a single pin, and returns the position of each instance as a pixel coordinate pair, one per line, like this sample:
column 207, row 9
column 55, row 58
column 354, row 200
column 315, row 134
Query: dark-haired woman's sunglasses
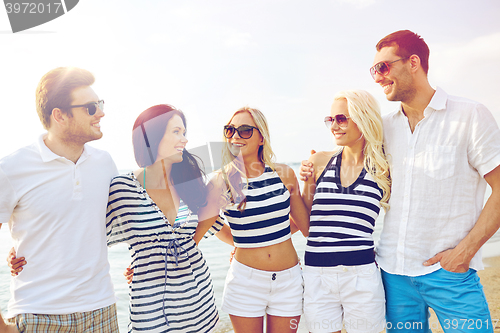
column 383, row 67
column 244, row 131
column 91, row 107
column 341, row 120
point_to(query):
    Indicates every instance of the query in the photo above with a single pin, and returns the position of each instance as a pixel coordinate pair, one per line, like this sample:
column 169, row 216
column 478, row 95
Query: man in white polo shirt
column 442, row 151
column 53, row 196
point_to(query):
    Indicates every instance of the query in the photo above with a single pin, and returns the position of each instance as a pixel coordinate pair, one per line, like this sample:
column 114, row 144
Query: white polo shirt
column 437, row 181
column 58, row 224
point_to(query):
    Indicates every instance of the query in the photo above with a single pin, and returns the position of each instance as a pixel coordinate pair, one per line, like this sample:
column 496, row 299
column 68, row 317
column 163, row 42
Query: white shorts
column 250, row 292
column 352, row 295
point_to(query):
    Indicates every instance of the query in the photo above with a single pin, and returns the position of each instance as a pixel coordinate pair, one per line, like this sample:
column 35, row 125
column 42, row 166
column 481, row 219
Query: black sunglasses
column 244, row 131
column 383, row 67
column 341, row 120
column 91, row 107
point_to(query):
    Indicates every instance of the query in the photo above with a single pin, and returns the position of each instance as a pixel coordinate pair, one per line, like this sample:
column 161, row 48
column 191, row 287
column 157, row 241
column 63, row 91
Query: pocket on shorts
column 369, row 281
column 439, row 161
column 456, row 275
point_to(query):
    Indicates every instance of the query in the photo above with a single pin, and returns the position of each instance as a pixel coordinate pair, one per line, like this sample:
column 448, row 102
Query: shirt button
column 77, row 183
column 344, row 269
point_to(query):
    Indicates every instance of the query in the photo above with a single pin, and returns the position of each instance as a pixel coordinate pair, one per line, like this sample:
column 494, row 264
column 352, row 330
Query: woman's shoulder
column 285, row 172
column 322, row 158
column 127, row 179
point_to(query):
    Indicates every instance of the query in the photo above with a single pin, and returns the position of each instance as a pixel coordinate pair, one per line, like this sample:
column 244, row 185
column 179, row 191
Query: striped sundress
column 172, row 289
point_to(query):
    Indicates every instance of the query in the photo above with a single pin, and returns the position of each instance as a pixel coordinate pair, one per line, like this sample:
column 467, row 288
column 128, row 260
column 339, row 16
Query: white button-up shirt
column 437, row 181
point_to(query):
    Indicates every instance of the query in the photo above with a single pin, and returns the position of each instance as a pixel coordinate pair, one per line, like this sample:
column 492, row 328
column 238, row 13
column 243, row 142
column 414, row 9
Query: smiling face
column 82, row 127
column 174, row 141
column 348, row 135
column 248, row 148
column 398, row 85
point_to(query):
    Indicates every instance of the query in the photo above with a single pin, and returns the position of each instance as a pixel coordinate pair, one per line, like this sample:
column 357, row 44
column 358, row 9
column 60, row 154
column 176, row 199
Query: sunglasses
column 244, row 131
column 91, row 107
column 341, row 120
column 383, row 67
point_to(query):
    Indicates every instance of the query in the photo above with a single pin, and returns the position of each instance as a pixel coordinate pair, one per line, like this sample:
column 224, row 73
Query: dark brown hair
column 407, row 43
column 187, row 176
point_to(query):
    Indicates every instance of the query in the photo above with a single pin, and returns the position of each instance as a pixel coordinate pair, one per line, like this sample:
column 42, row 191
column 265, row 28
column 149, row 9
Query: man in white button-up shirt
column 54, row 196
column 442, row 151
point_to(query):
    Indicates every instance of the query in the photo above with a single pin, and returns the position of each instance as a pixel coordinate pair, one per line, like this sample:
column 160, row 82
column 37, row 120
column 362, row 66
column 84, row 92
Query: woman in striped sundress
column 154, row 210
column 258, row 197
column 349, row 186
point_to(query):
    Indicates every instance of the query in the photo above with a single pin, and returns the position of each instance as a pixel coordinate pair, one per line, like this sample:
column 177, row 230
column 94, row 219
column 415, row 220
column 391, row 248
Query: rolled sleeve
column 8, row 198
column 484, row 141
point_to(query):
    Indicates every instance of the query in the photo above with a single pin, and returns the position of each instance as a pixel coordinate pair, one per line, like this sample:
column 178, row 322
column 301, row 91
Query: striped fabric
column 342, row 219
column 265, row 220
column 172, row 288
column 98, row 321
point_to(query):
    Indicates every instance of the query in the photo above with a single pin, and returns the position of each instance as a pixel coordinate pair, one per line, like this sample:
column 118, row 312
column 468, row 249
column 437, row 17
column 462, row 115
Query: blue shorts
column 457, row 298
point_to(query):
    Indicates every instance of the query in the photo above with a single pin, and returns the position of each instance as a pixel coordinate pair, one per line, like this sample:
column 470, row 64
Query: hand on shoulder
column 318, row 163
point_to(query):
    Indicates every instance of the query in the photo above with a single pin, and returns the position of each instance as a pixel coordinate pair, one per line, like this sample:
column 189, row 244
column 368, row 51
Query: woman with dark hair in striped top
column 342, row 284
column 154, row 210
column 258, row 197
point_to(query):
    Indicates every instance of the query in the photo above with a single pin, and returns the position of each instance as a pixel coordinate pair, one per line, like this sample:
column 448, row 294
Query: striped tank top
column 265, row 220
column 342, row 219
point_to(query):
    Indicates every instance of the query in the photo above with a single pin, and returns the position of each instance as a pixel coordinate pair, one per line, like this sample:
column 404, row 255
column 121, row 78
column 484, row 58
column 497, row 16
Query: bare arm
column 7, row 328
column 209, row 214
column 225, row 235
column 298, row 210
column 458, row 258
column 317, row 162
column 293, row 226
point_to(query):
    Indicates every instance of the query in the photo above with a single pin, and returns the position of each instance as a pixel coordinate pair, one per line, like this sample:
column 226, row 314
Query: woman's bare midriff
column 271, row 258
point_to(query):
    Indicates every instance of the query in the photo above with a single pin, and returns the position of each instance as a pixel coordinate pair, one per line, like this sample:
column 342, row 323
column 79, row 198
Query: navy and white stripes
column 172, row 288
column 265, row 220
column 342, row 219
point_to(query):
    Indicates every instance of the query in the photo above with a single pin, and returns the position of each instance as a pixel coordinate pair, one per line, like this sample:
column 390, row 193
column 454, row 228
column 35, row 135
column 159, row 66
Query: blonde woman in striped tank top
column 348, row 187
column 258, row 198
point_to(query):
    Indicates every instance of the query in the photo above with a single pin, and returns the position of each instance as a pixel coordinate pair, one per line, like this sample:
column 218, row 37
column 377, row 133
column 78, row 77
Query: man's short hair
column 407, row 43
column 55, row 88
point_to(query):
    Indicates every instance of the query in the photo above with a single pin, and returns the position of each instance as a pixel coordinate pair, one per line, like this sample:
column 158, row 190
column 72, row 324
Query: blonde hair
column 365, row 112
column 231, row 173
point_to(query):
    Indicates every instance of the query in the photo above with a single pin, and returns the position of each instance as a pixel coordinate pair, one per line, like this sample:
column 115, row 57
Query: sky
column 209, row 58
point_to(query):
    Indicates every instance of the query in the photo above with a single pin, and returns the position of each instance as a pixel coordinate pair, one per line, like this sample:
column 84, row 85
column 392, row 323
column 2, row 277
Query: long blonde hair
column 231, row 173
column 365, row 112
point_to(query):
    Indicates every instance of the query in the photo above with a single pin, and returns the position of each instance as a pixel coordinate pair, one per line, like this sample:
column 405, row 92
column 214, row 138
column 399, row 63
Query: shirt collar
column 48, row 155
column 438, row 101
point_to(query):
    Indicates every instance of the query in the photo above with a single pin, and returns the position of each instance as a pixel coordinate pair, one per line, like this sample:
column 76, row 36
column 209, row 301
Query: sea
column 216, row 254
